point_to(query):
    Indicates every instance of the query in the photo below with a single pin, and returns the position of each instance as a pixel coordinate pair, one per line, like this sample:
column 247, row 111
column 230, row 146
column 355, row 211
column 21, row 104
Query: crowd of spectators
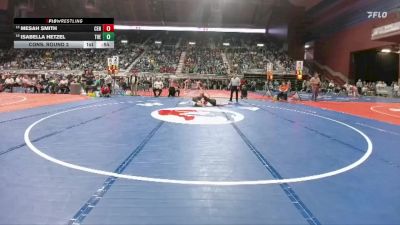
column 204, row 61
column 54, row 83
column 159, row 59
column 205, row 56
column 242, row 59
column 67, row 59
column 359, row 88
column 379, row 88
column 60, row 84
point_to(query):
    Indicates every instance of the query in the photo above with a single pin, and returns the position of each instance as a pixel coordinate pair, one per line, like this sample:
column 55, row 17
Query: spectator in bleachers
column 331, row 86
column 9, row 83
column 63, row 86
column 359, row 85
column 396, row 91
column 380, row 88
column 354, row 91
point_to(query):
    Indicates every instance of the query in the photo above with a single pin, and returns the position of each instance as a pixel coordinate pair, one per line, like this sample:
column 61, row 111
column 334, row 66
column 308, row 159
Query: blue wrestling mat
column 142, row 160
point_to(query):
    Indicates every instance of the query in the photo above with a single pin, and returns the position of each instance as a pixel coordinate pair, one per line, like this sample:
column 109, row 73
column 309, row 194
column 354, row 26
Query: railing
column 339, row 75
column 122, row 73
column 326, row 72
column 194, row 76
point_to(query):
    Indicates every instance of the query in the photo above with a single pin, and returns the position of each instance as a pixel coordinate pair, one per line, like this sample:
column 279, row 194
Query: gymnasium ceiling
column 226, row 13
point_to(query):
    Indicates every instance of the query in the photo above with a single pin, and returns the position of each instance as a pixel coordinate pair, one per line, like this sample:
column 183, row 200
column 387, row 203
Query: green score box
column 108, row 36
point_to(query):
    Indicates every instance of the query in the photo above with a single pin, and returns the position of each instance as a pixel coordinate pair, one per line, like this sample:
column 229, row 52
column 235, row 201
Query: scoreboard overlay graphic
column 90, row 33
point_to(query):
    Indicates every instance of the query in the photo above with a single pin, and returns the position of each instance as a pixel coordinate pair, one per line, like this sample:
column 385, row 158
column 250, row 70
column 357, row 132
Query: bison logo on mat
column 197, row 115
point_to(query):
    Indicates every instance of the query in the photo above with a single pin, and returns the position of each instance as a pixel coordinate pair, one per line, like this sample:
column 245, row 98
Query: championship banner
column 115, row 61
column 299, row 74
column 112, row 64
column 269, row 66
column 299, row 65
column 299, row 70
column 270, row 74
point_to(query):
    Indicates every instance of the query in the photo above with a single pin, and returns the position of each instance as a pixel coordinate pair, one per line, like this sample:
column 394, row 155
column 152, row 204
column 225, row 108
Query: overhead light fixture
column 198, row 29
column 124, row 41
column 225, row 44
column 260, row 45
column 306, row 46
column 158, row 42
column 192, row 43
column 386, row 50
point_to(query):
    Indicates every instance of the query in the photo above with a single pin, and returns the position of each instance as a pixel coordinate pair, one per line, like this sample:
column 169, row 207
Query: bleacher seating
column 206, row 57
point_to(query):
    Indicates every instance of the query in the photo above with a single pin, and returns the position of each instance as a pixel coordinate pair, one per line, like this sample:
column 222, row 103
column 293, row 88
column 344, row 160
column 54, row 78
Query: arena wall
column 335, row 51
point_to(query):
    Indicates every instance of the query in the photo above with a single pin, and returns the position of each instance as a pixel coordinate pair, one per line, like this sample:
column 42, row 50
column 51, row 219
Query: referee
column 234, row 84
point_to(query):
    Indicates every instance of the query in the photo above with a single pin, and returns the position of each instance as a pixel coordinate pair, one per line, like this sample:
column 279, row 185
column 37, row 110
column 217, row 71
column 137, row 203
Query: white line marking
column 150, row 104
column 10, row 103
column 395, row 109
column 372, row 108
column 194, row 182
column 185, row 103
column 378, row 129
column 249, row 108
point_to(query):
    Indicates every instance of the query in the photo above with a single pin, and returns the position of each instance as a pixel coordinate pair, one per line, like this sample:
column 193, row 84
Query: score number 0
column 108, row 27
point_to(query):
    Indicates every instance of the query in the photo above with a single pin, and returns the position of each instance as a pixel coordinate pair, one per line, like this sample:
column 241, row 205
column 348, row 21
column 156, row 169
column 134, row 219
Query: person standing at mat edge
column 315, row 83
column 157, row 87
column 234, row 85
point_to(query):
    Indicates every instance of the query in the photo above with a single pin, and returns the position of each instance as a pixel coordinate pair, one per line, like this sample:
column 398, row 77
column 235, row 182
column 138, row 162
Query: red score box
column 108, row 27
